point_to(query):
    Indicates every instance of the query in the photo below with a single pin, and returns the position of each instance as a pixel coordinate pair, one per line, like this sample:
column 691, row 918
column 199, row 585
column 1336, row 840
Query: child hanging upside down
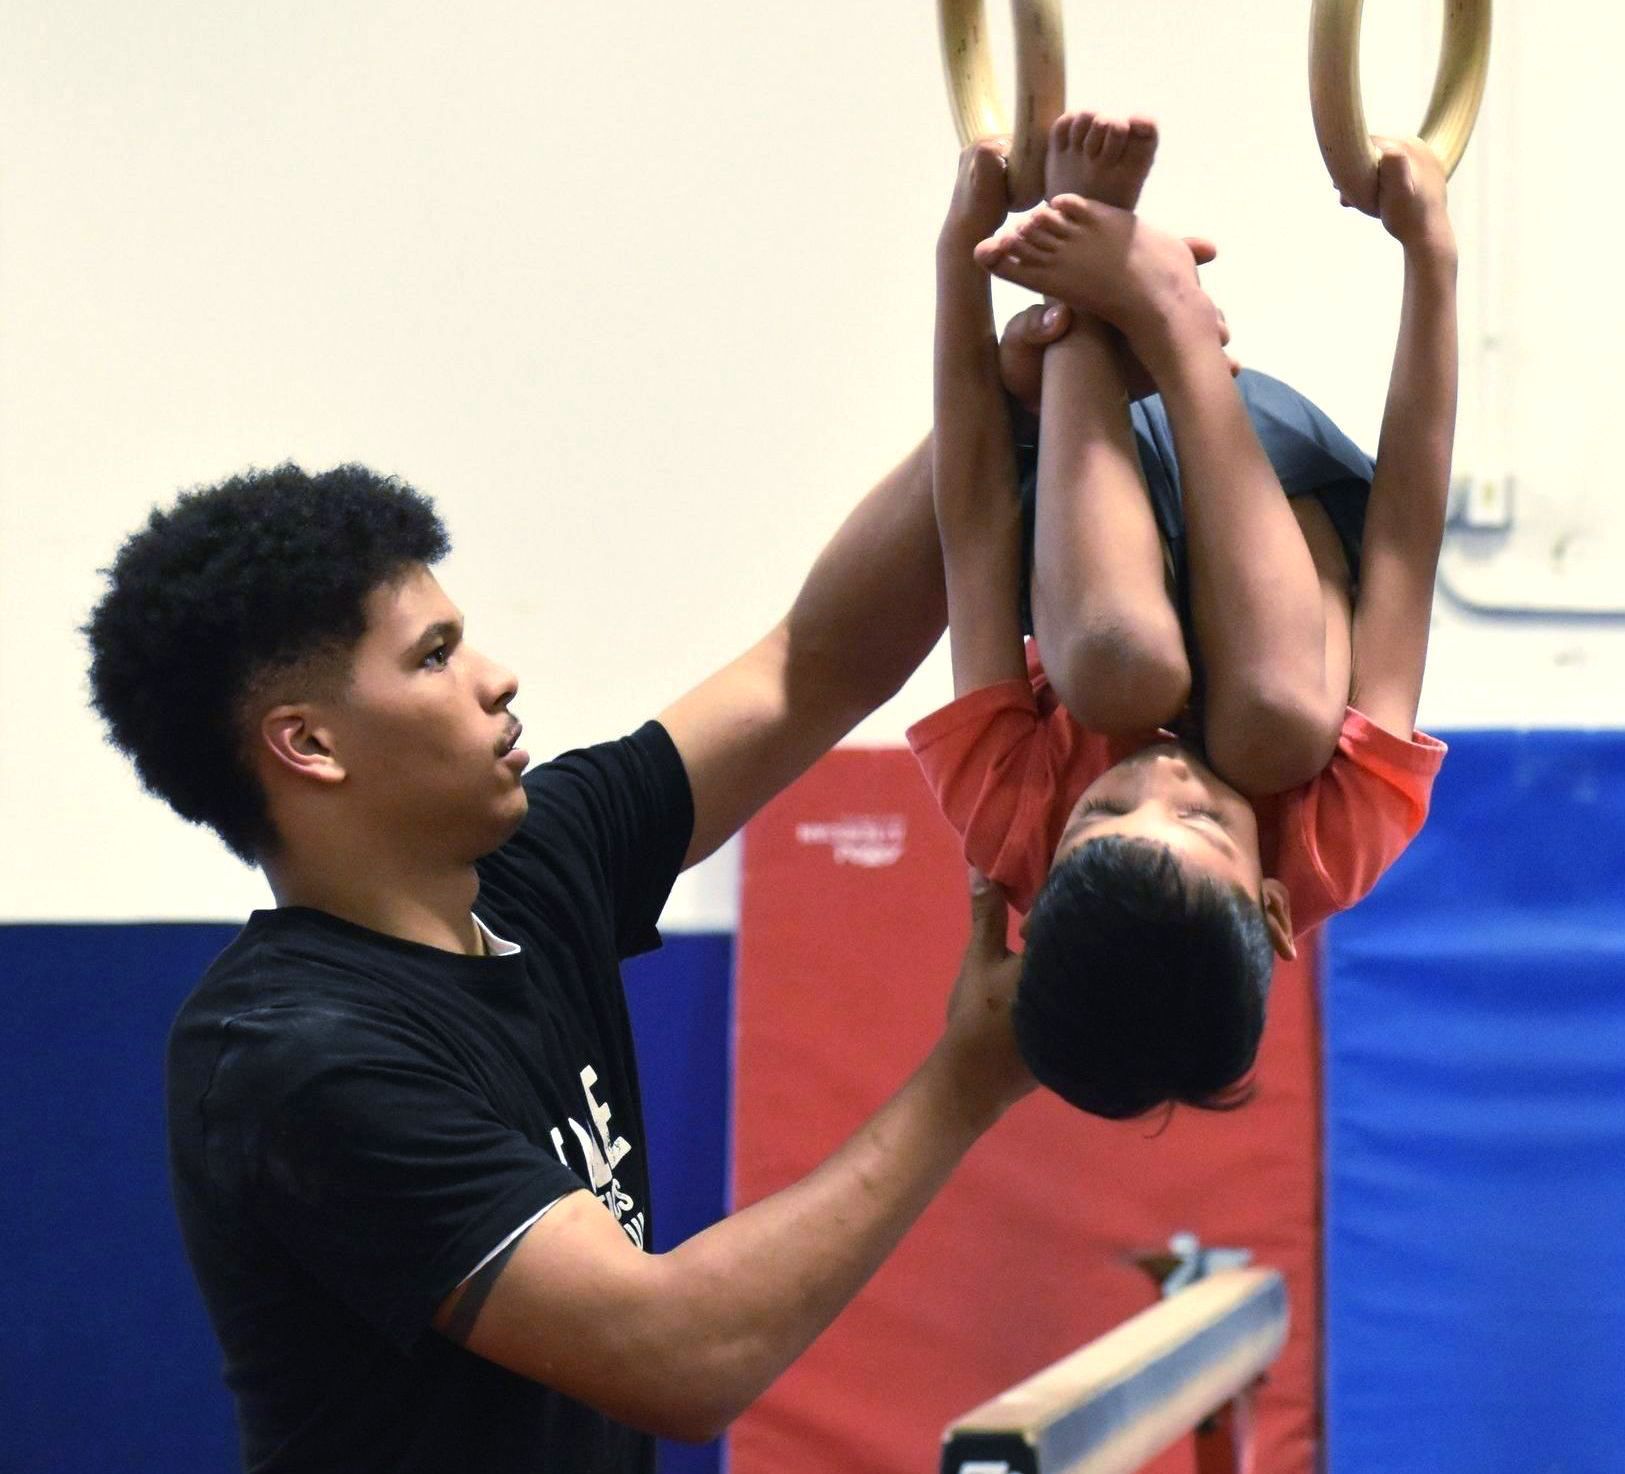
column 1212, row 747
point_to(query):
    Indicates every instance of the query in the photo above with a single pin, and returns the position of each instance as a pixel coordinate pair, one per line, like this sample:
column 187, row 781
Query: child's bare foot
column 1105, row 159
column 1033, row 329
column 1105, row 261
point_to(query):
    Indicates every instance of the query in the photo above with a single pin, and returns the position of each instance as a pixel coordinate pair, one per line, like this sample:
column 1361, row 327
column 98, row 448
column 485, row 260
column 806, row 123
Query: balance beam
column 1116, row 1403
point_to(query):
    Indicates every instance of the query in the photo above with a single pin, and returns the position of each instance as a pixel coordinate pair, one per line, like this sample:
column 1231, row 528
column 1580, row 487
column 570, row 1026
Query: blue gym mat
column 107, row 1362
column 1474, row 1015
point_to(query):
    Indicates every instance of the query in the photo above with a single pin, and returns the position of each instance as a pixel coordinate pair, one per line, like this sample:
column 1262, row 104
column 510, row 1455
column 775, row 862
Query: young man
column 403, row 1108
column 1160, row 872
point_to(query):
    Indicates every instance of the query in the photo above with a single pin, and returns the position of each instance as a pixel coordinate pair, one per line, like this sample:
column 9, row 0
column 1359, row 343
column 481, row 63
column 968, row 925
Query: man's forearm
column 868, row 612
column 679, row 1343
column 747, row 1296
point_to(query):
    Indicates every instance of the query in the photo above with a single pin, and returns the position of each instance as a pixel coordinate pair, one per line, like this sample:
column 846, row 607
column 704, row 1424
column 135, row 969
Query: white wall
column 642, row 295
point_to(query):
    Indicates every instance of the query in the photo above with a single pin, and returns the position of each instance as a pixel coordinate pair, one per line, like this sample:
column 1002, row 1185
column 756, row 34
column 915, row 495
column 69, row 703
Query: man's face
column 424, row 733
column 1165, row 793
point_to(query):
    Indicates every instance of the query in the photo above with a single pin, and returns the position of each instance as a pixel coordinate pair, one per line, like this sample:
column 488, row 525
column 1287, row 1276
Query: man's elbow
column 689, row 1376
column 853, row 670
column 836, row 684
column 673, row 1392
column 694, row 1426
column 689, row 1399
column 680, row 1424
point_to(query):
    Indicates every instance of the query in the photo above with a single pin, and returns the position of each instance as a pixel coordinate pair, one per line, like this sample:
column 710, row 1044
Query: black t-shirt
column 356, row 1122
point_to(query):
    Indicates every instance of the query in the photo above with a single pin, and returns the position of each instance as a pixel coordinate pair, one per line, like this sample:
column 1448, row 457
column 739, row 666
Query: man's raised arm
column 869, row 612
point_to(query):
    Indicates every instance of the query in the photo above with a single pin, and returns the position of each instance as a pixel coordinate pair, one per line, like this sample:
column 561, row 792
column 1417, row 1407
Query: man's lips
column 510, row 739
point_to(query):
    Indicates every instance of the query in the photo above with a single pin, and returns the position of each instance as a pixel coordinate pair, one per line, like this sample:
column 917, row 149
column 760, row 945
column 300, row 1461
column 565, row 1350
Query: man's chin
column 504, row 822
column 513, row 817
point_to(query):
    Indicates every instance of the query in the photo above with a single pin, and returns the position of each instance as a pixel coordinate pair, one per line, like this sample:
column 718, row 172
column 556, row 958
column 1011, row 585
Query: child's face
column 1165, row 793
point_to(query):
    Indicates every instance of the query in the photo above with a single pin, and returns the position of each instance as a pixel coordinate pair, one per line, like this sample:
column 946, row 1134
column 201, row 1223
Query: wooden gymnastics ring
column 1339, row 110
column 973, row 90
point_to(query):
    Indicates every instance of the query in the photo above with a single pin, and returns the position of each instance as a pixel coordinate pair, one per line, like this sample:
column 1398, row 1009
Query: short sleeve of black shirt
column 630, row 811
column 381, row 1169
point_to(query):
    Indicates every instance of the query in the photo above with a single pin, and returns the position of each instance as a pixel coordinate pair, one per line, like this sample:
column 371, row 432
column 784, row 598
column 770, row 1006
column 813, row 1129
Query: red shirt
column 1008, row 763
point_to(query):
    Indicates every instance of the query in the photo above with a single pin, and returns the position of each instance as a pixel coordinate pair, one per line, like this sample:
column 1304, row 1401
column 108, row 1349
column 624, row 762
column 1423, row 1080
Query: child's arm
column 973, row 465
column 1404, row 523
column 1269, row 720
column 1107, row 629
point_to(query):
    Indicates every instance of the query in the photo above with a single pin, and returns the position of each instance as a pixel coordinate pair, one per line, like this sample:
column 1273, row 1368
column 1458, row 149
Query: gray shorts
column 1311, row 456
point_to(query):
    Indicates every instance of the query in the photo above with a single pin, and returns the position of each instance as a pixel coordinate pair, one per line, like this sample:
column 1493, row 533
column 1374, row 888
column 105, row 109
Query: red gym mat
column 853, row 915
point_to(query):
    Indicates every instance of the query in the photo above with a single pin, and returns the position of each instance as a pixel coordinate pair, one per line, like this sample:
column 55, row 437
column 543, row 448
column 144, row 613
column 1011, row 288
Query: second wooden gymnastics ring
column 973, row 90
column 1335, row 97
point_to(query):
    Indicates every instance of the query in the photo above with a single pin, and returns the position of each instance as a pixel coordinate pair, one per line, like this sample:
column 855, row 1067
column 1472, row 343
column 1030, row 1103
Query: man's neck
column 433, row 908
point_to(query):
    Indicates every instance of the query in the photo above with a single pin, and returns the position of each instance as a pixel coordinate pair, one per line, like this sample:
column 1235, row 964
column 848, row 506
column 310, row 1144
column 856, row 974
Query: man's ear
column 300, row 744
column 1277, row 906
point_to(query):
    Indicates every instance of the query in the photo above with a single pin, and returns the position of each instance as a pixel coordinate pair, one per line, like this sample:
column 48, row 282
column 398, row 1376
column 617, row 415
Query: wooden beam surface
column 1114, row 1404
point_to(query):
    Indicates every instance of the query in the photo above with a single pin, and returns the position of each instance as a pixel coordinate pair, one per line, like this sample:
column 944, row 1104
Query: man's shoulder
column 243, row 975
column 293, row 985
column 278, row 950
column 285, row 1034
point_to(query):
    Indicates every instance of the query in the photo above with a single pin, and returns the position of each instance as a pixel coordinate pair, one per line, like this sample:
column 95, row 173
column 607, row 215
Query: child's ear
column 1277, row 906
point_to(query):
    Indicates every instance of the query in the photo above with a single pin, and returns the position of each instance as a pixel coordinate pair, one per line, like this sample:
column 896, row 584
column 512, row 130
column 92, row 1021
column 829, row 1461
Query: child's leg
column 1256, row 599
column 1105, row 625
column 1258, row 602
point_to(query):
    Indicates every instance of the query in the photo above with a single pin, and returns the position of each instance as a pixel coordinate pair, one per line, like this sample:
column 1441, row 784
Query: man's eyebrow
column 440, row 630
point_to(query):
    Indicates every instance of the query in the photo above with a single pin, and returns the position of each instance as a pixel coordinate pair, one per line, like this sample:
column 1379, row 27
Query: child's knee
column 1121, row 678
column 1271, row 740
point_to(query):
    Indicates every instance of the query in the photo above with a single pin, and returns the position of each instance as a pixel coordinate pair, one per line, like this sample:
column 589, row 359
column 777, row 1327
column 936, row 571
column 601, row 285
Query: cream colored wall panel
column 642, row 294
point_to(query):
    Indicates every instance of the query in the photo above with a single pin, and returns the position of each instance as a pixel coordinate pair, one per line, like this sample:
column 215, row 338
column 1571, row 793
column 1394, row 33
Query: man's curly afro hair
column 264, row 574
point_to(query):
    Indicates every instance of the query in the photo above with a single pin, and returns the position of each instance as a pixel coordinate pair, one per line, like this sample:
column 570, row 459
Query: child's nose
column 1176, row 764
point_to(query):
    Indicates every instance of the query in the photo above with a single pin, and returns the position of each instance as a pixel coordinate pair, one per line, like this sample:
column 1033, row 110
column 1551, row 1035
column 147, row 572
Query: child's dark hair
column 1141, row 985
column 234, row 588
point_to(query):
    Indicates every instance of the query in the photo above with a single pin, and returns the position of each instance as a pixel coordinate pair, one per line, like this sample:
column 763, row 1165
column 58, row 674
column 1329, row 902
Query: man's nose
column 501, row 684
